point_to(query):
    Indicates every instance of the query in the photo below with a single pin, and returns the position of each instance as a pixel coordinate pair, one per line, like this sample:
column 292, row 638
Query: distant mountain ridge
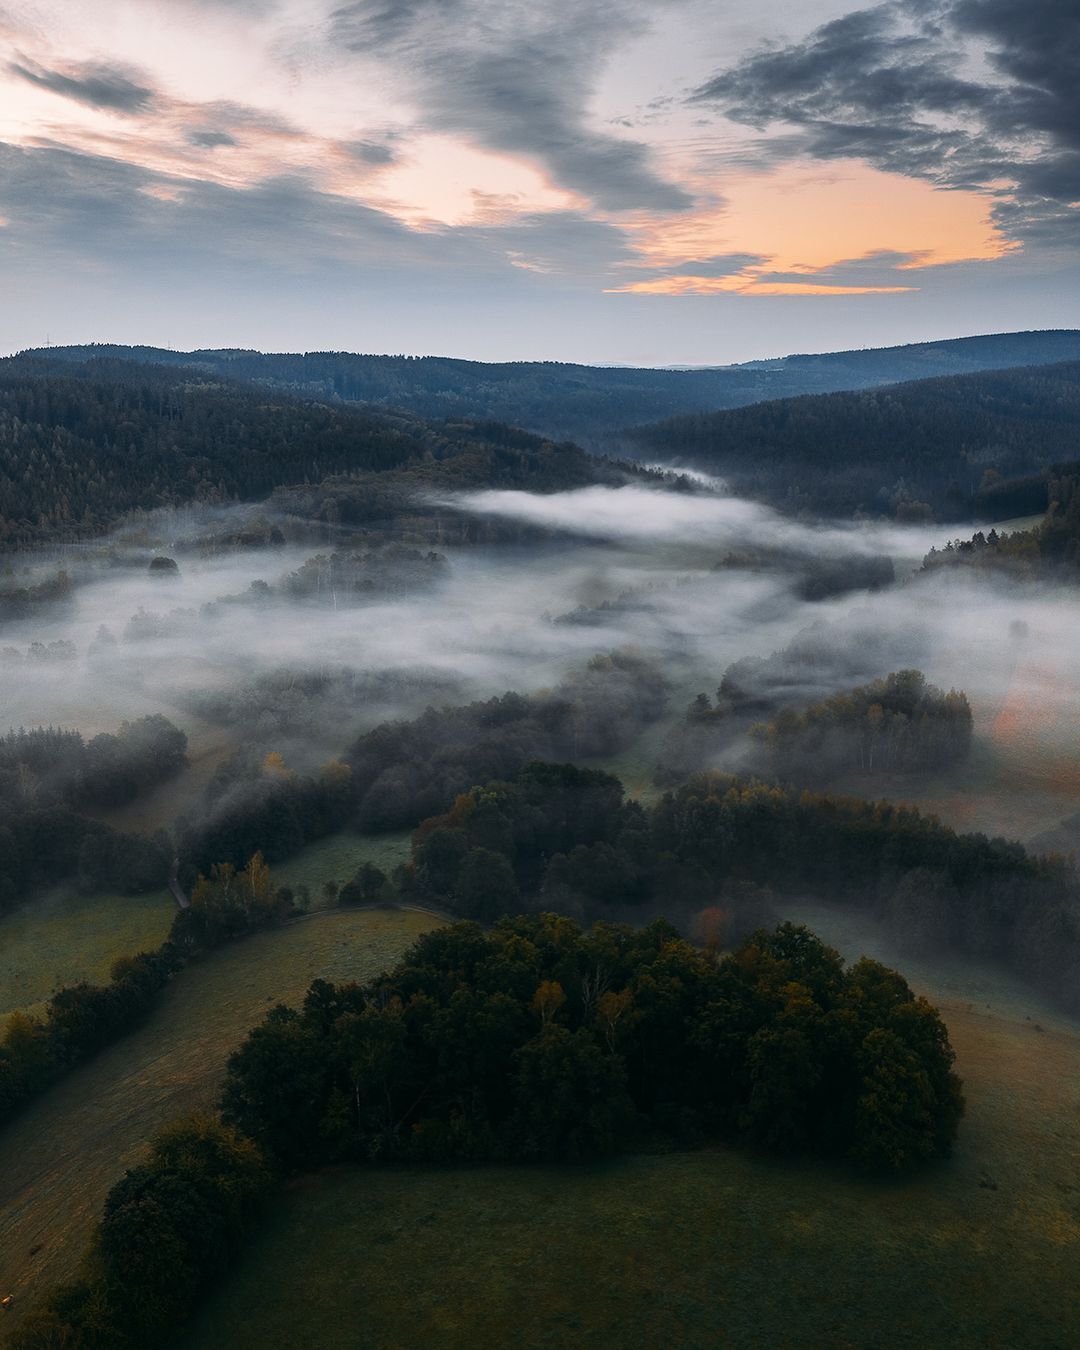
column 592, row 405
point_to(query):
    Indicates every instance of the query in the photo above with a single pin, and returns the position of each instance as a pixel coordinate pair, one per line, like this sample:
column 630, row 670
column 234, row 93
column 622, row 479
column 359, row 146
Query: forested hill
column 589, row 404
column 82, row 444
column 931, row 448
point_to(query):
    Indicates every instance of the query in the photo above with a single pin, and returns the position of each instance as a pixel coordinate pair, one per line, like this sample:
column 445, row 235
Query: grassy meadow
column 62, row 937
column 60, row 1157
column 710, row 1249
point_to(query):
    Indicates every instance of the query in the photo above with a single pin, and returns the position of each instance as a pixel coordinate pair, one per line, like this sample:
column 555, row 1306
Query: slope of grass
column 63, row 937
column 60, row 1157
column 710, row 1249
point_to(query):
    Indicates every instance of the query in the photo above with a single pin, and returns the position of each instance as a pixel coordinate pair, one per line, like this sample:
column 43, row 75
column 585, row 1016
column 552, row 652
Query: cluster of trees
column 40, row 653
column 899, row 724
column 532, row 1041
column 170, row 1228
column 22, row 599
column 353, row 577
column 563, row 837
column 588, row 403
column 538, row 1040
column 254, row 804
column 404, row 771
column 345, row 577
column 1016, row 553
column 81, row 1019
column 814, row 663
column 307, row 701
column 42, row 846
column 46, row 765
column 914, row 451
column 48, row 775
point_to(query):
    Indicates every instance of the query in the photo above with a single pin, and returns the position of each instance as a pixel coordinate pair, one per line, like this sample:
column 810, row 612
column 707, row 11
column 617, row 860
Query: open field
column 339, row 857
column 61, row 1156
column 705, row 1249
column 63, row 937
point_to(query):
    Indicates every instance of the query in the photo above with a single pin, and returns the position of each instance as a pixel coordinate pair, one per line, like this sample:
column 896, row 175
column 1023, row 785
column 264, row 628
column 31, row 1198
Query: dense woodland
column 81, row 444
column 588, row 404
column 404, row 771
column 918, row 451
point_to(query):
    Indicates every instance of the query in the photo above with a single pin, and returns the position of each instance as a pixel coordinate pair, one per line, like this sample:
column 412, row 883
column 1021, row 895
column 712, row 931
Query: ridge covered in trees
column 83, row 443
column 588, row 403
column 916, row 451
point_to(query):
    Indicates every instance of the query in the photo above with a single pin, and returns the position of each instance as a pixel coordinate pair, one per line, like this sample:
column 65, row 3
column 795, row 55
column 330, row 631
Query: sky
column 672, row 182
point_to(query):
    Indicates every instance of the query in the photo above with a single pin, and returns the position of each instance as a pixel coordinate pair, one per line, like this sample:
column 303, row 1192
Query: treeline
column 918, row 451
column 81, row 444
column 899, row 724
column 20, row 600
column 46, row 765
column 82, row 1019
column 560, row 837
column 319, row 700
column 589, row 403
column 1049, row 551
column 48, row 775
column 255, row 804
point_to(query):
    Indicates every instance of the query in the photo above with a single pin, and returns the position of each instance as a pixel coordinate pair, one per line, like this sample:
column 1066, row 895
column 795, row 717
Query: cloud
column 371, row 152
column 103, row 212
column 977, row 95
column 518, row 78
column 96, row 84
column 210, row 140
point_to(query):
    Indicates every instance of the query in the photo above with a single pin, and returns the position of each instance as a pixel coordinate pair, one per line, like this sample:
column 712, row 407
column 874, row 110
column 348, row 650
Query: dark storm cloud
column 97, row 85
column 518, row 77
column 893, row 85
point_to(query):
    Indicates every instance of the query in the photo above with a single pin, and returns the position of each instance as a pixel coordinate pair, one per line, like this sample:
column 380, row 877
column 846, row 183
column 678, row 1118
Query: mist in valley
column 693, row 582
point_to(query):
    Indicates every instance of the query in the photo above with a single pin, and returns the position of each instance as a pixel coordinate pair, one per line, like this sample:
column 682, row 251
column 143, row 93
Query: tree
column 486, row 886
column 571, row 1097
